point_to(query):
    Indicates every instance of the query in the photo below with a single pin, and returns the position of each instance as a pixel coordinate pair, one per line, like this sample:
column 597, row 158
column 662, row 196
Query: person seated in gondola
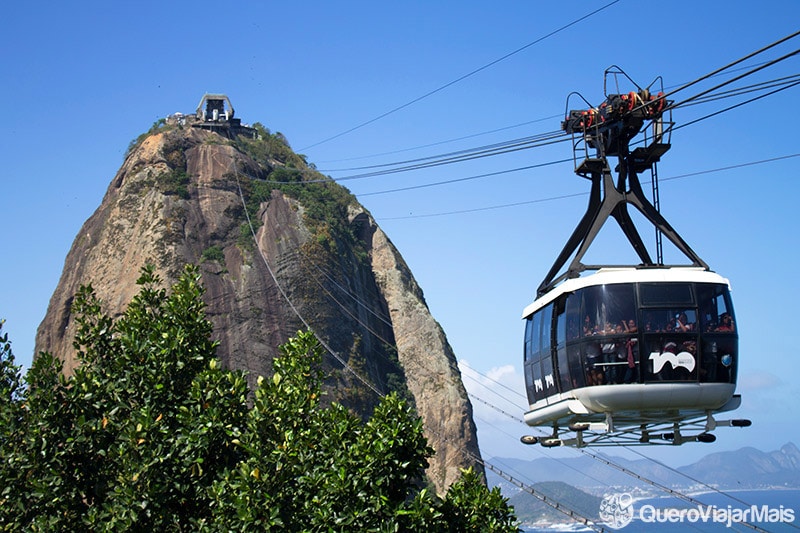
column 588, row 327
column 630, row 326
column 595, row 376
column 682, row 323
column 726, row 322
column 594, row 365
column 609, row 349
column 631, row 356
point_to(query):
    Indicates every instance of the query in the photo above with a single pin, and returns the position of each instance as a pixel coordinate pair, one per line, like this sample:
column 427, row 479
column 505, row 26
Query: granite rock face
column 280, row 249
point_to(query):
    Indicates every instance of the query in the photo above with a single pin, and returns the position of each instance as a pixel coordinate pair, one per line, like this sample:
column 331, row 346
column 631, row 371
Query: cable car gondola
column 629, row 354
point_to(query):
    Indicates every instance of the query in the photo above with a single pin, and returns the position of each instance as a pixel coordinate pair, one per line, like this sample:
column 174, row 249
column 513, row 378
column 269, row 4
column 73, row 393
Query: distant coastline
column 728, row 479
column 772, row 498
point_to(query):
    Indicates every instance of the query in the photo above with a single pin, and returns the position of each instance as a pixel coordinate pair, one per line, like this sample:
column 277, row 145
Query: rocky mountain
column 281, row 248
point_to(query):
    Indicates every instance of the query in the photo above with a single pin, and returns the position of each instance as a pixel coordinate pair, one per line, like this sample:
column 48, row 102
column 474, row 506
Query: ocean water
column 656, row 513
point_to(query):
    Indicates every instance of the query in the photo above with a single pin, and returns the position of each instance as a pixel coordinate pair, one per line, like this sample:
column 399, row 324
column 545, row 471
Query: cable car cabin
column 620, row 355
column 631, row 345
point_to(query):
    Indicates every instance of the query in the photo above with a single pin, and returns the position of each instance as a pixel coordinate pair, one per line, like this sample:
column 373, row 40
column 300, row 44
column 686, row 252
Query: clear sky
column 354, row 84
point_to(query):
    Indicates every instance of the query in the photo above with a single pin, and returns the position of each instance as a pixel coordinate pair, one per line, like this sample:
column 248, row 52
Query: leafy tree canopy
column 151, row 434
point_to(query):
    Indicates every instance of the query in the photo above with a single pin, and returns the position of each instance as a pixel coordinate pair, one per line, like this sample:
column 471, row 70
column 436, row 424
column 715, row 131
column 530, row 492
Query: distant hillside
column 746, row 468
column 531, row 510
column 749, row 468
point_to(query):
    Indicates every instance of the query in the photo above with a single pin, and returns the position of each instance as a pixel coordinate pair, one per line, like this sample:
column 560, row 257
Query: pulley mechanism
column 611, row 130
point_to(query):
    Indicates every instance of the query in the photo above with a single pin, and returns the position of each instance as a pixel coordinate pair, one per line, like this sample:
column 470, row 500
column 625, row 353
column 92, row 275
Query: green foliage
column 325, row 202
column 151, row 434
column 270, row 148
column 214, row 253
column 470, row 506
column 174, row 151
column 174, row 182
column 10, row 381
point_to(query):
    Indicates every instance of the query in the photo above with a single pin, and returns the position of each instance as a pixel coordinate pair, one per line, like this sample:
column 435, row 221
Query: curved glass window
column 573, row 307
column 632, row 333
column 539, row 368
column 536, row 336
column 577, row 377
column 562, row 363
column 689, row 332
column 664, row 294
column 719, row 361
column 528, row 339
column 716, row 311
column 608, row 309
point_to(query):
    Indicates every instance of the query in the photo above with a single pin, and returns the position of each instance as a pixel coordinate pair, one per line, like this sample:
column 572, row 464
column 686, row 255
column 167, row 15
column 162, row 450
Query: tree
column 151, row 434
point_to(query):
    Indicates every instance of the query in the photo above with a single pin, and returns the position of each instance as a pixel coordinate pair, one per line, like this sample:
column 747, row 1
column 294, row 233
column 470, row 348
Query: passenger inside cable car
column 618, row 334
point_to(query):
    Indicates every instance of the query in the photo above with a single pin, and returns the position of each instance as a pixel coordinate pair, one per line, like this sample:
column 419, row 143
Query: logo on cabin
column 616, row 510
column 681, row 359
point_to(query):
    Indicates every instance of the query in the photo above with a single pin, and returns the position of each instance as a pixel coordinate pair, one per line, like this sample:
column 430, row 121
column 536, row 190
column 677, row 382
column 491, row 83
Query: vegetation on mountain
column 324, row 201
column 151, row 434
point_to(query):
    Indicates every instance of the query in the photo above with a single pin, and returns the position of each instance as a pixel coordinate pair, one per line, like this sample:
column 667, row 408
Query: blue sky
column 82, row 80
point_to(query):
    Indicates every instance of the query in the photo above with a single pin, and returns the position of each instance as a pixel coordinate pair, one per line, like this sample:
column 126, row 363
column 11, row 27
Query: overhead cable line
column 543, row 140
column 468, row 156
column 561, row 462
column 783, row 85
column 734, row 79
column 712, row 74
column 729, row 65
column 468, row 178
column 755, row 98
column 579, row 194
column 380, row 316
column 386, row 321
column 480, row 149
column 465, row 76
column 492, row 391
column 472, row 135
column 779, row 82
column 471, row 369
column 511, row 402
column 447, row 141
column 668, row 490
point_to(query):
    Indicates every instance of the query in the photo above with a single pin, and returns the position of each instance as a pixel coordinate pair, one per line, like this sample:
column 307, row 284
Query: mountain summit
column 281, row 248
